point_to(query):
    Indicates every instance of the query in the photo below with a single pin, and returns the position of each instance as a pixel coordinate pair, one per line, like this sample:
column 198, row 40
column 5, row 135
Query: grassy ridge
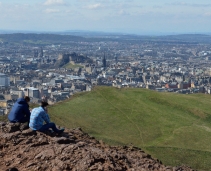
column 172, row 127
column 72, row 66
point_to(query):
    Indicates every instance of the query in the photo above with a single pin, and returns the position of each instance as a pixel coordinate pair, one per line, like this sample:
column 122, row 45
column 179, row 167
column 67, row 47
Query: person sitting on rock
column 20, row 112
column 38, row 116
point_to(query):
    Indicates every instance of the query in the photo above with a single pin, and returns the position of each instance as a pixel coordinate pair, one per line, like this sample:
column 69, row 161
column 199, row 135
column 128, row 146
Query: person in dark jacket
column 20, row 111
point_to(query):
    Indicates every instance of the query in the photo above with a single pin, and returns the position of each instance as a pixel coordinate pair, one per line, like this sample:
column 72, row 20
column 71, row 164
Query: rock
column 28, row 132
column 74, row 150
column 13, row 127
column 64, row 140
column 12, row 169
column 56, row 168
column 31, row 163
column 45, row 155
column 3, row 123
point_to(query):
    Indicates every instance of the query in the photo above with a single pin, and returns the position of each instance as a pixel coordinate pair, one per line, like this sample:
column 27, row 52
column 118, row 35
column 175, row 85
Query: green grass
column 200, row 159
column 3, row 118
column 172, row 127
column 71, row 66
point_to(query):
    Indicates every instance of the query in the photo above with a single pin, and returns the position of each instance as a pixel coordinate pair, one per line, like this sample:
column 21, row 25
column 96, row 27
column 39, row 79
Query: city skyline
column 123, row 16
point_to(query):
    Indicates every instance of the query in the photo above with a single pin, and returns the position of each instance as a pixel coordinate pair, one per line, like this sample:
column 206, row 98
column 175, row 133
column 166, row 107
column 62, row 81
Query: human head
column 44, row 104
column 27, row 99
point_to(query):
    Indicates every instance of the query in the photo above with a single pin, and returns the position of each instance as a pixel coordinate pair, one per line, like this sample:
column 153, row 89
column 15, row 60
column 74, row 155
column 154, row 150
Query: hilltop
column 73, row 150
column 172, row 127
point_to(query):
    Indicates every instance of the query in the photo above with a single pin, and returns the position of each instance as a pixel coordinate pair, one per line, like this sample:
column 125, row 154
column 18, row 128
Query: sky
column 124, row 16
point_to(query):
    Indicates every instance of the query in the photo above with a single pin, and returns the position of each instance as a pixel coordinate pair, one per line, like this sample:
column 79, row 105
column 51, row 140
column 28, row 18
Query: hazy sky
column 130, row 16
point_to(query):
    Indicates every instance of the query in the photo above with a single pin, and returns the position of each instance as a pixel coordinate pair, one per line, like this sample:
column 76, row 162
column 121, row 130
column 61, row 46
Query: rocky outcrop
column 64, row 59
column 73, row 150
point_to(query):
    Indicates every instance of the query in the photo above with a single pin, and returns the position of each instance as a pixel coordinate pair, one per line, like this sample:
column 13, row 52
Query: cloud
column 54, row 2
column 208, row 14
column 94, row 6
column 157, row 7
column 109, row 6
column 189, row 4
column 51, row 11
column 123, row 12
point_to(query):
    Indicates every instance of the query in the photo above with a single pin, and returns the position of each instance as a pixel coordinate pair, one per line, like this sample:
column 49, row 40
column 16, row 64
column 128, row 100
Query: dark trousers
column 22, row 120
column 47, row 126
column 19, row 126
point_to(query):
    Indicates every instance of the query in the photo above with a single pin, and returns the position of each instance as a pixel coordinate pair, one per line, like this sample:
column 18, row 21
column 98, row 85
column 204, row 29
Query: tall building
column 4, row 80
column 116, row 59
column 35, row 53
column 104, row 62
column 41, row 52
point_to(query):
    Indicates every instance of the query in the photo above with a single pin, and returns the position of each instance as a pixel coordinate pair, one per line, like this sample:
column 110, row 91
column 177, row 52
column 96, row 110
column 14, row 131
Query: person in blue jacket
column 40, row 115
column 20, row 111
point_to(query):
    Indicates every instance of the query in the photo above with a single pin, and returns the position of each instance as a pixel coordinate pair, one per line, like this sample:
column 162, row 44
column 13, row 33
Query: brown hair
column 44, row 104
column 27, row 98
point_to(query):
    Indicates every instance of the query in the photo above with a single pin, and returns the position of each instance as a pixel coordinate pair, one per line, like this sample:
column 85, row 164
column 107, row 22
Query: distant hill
column 188, row 38
column 66, row 38
column 172, row 127
column 38, row 38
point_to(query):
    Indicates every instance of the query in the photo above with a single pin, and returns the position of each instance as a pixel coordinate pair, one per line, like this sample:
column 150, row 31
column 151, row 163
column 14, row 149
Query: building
column 43, row 92
column 3, row 103
column 19, row 93
column 184, row 85
column 171, row 85
column 35, row 53
column 41, row 52
column 34, row 92
column 4, row 80
column 116, row 59
column 104, row 62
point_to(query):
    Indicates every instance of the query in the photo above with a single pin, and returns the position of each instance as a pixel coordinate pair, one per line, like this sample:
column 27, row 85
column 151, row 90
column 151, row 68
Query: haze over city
column 123, row 16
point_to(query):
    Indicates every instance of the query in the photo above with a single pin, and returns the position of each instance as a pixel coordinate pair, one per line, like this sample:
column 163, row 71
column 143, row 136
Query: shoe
column 61, row 131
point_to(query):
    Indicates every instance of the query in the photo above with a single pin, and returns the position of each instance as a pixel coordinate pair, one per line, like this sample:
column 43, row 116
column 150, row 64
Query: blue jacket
column 20, row 111
column 38, row 116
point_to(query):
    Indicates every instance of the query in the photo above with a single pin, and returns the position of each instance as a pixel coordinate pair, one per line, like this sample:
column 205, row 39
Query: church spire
column 104, row 61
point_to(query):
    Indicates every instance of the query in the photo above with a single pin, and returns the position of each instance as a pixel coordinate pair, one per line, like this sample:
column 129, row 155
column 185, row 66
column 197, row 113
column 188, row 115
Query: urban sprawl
column 57, row 71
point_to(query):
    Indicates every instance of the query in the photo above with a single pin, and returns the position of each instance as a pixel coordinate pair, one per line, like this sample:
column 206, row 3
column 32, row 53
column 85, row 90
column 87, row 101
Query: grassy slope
column 71, row 66
column 172, row 127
